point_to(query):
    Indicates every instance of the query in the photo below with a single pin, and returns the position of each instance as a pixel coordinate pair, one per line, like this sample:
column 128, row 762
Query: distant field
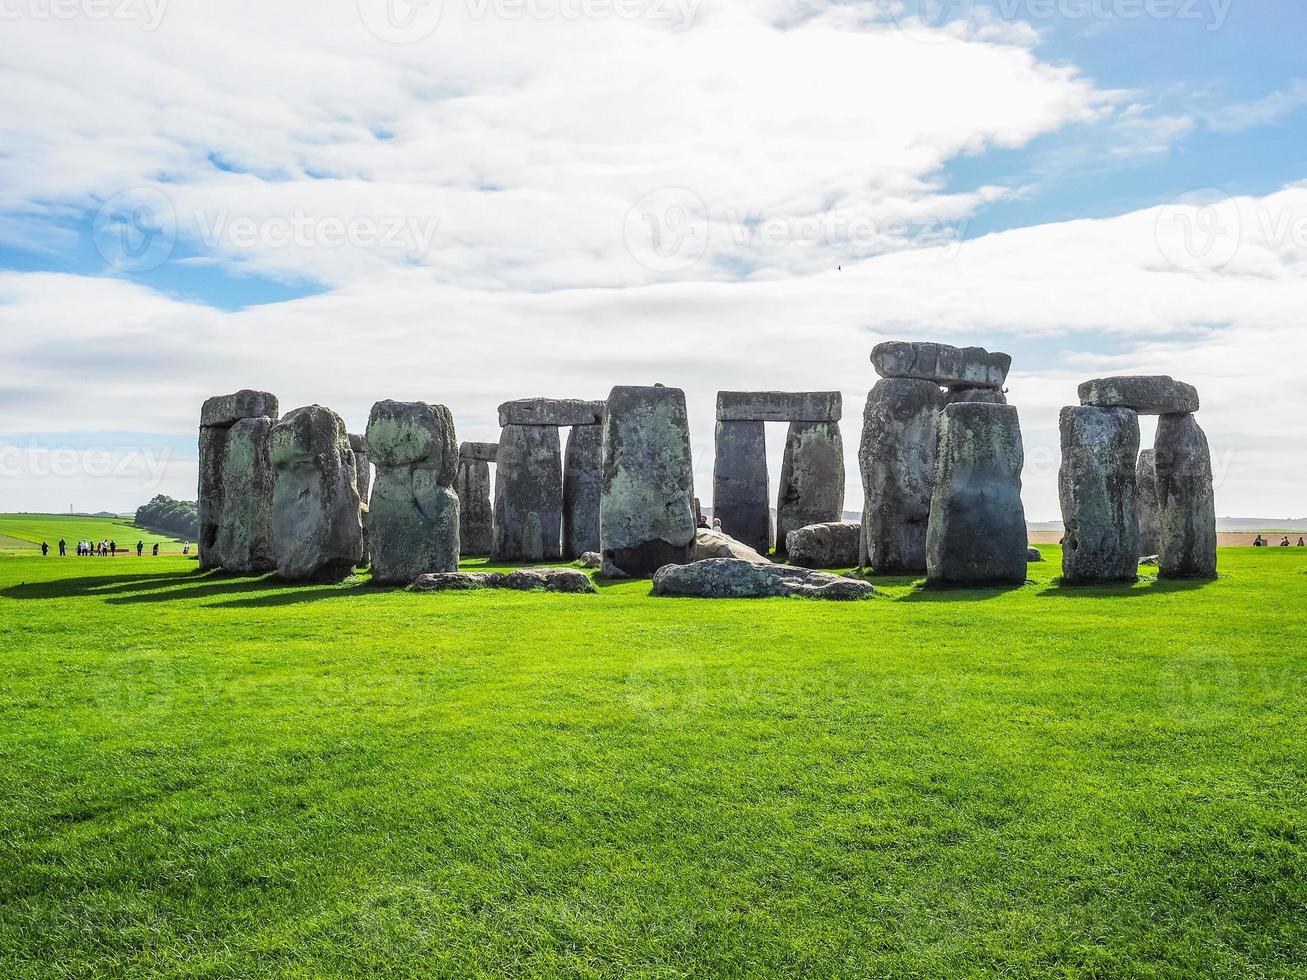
column 25, row 532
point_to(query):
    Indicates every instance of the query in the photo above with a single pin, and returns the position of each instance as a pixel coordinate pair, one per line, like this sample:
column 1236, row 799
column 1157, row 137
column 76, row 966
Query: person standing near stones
column 63, row 548
column 140, row 547
column 45, row 550
column 1258, row 542
column 1284, row 541
column 155, row 550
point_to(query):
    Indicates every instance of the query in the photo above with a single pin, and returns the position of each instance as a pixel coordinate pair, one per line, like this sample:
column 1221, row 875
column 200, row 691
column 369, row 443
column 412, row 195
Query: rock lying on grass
column 591, row 559
column 714, row 544
column 833, row 544
column 1033, row 554
column 731, row 578
column 521, row 580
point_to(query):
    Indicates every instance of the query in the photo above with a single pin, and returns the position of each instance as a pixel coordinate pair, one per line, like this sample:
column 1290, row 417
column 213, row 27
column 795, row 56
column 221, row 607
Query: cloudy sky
column 474, row 200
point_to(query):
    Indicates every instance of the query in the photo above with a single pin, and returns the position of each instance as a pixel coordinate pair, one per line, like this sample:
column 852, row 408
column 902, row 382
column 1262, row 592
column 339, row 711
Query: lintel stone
column 779, row 406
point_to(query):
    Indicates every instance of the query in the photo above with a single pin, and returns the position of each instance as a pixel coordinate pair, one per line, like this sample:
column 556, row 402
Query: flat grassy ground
column 24, row 532
column 213, row 777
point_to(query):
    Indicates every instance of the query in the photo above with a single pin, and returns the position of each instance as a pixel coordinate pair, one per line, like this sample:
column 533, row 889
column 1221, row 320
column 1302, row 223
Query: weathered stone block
column 779, row 406
column 483, row 452
column 741, row 497
column 559, row 412
column 830, row 545
column 222, row 411
column 245, row 538
column 729, row 578
column 1145, row 394
column 1186, row 499
column 812, row 478
column 528, row 494
column 1150, row 511
column 1096, row 487
column 475, row 511
column 944, row 364
column 582, row 478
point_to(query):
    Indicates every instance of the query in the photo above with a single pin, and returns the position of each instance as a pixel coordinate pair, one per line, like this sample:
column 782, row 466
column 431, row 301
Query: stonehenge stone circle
column 812, row 478
column 1150, row 512
column 582, row 472
column 977, row 530
column 528, row 517
column 965, row 367
column 475, row 511
column 1185, row 499
column 646, row 510
column 245, row 543
column 834, row 544
column 315, row 500
column 558, row 412
column 1096, row 487
column 217, row 416
column 730, row 578
column 779, row 406
column 741, row 498
column 413, row 517
column 1145, row 394
column 900, row 431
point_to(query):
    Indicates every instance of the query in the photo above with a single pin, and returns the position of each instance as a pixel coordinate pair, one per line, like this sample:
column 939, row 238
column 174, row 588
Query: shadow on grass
column 248, row 591
column 1057, row 589
column 960, row 593
column 97, row 586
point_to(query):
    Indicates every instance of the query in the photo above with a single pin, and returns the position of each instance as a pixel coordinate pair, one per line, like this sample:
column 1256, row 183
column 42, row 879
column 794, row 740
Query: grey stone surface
column 222, row 411
column 561, row 412
column 713, row 544
column 315, row 501
column 245, row 541
column 475, row 510
column 1096, row 488
column 812, row 478
column 942, row 363
column 212, row 447
column 990, row 396
column 481, row 452
column 900, row 433
column 833, row 544
column 977, row 530
column 779, row 406
column 1150, row 511
column 413, row 516
column 1145, row 394
column 528, row 522
column 582, row 475
column 521, row 580
column 646, row 512
column 729, row 578
column 1185, row 498
column 1033, row 555
column 592, row 559
column 741, row 496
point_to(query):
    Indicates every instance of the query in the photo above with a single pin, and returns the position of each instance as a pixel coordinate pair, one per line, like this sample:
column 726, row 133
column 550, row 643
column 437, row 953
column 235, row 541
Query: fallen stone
column 222, row 411
column 1033, row 555
column 713, row 544
column 812, row 479
column 481, row 452
column 740, row 490
column 833, row 544
column 560, row 412
column 582, row 475
column 528, row 522
column 1145, row 394
column 315, row 503
column 245, row 538
column 977, row 530
column 646, row 513
column 475, row 511
column 943, row 364
column 779, row 406
column 729, row 578
column 1185, row 499
column 1096, row 488
column 591, row 559
column 1150, row 512
column 900, row 434
column 522, row 580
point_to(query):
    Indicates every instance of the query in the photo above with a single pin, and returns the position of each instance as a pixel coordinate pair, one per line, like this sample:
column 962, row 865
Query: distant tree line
column 177, row 517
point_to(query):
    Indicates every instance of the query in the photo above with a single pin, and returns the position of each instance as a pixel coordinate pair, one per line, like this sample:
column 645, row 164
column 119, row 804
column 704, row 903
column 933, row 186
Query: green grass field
column 214, row 777
column 25, row 532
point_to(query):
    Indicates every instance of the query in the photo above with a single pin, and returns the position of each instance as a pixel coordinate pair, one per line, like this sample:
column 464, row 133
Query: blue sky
column 496, row 209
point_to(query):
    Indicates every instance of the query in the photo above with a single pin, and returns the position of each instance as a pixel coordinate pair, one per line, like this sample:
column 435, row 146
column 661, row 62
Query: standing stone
column 739, row 497
column 475, row 511
column 315, row 501
column 413, row 516
column 363, row 472
column 528, row 518
column 1150, row 513
column 582, row 474
column 245, row 540
column 900, row 433
column 217, row 415
column 990, row 396
column 1096, row 486
column 812, row 478
column 646, row 510
column 977, row 529
column 1185, row 499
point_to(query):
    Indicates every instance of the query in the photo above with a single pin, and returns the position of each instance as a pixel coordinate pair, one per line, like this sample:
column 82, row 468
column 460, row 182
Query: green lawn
column 213, row 777
column 21, row 532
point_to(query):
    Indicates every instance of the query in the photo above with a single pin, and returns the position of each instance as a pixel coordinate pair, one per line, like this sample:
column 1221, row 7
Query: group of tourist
column 104, row 549
column 1261, row 542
